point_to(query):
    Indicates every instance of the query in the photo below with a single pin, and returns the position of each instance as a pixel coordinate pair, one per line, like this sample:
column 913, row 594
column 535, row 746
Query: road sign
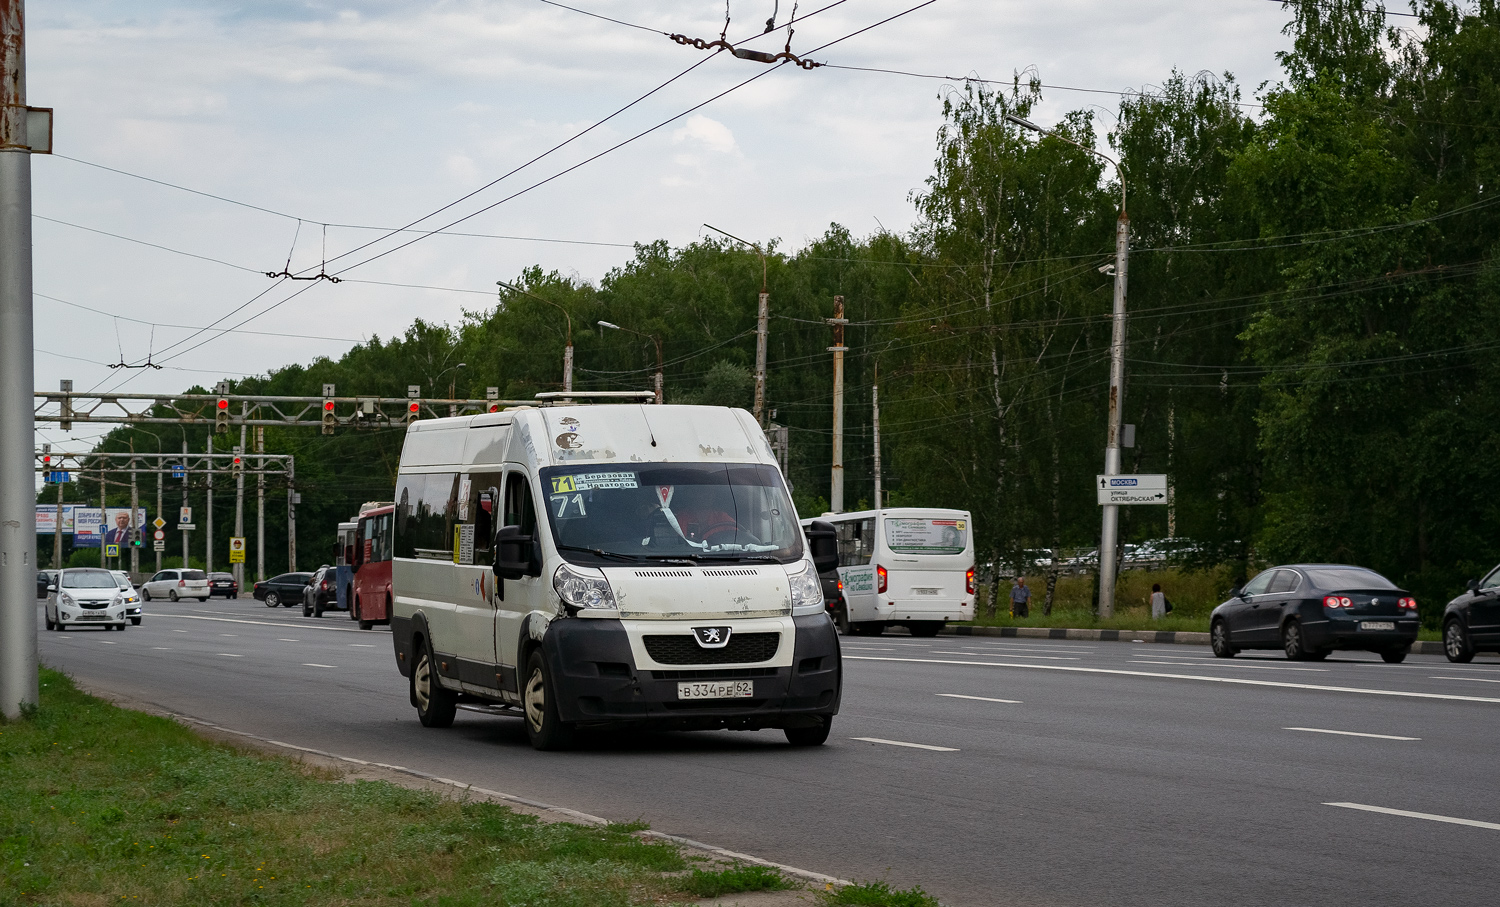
column 184, row 515
column 159, row 523
column 179, row 471
column 1131, row 489
column 55, row 477
column 237, row 550
column 112, row 550
column 187, row 527
column 159, row 546
column 158, row 534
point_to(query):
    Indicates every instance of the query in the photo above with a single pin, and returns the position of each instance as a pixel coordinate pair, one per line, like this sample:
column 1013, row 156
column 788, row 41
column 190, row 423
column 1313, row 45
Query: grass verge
column 709, row 883
column 107, row 806
column 878, row 894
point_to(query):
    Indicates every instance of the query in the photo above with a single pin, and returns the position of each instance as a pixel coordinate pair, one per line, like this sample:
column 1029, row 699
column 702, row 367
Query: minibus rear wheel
column 539, row 701
column 435, row 705
column 810, row 736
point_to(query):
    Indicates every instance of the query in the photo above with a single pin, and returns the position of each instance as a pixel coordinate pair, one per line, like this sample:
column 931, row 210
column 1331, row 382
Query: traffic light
column 135, row 538
column 413, row 411
column 239, row 463
column 330, row 421
column 221, row 416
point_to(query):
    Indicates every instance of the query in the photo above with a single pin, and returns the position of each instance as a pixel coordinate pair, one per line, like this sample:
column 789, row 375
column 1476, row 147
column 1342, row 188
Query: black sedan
column 1308, row 610
column 223, row 584
column 320, row 594
column 284, row 590
column 1471, row 622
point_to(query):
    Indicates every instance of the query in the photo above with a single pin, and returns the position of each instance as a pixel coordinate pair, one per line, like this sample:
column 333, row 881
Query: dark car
column 223, row 584
column 1308, row 610
column 320, row 594
column 1471, row 622
column 285, row 590
column 44, row 578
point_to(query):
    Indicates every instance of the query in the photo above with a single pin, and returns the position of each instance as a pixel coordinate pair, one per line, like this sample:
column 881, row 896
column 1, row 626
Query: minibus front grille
column 743, row 648
column 665, row 574
column 731, row 571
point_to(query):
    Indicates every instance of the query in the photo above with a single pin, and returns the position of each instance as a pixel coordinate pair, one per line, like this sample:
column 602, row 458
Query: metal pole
column 161, row 466
column 208, row 534
column 568, row 363
column 103, row 517
column 1110, row 528
column 836, row 489
column 185, row 484
column 657, row 340
column 291, row 517
column 875, row 424
column 135, row 508
column 760, row 357
column 239, row 497
column 260, row 505
column 57, row 536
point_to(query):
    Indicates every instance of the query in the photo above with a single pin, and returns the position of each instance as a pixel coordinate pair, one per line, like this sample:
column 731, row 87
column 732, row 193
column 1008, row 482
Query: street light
column 654, row 339
column 567, row 352
column 1110, row 526
column 433, row 382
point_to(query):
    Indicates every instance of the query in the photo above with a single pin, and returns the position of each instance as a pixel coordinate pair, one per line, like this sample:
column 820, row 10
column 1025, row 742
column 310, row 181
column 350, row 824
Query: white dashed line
column 104, row 642
column 915, row 746
column 288, row 640
column 1228, row 664
column 1008, row 655
column 1474, row 679
column 311, row 665
column 228, row 655
column 1475, row 823
column 361, row 645
column 160, row 649
column 1318, row 730
column 980, row 698
column 179, row 631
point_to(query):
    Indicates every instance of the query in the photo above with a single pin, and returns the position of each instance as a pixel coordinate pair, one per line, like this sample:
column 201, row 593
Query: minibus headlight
column 807, row 590
column 582, row 587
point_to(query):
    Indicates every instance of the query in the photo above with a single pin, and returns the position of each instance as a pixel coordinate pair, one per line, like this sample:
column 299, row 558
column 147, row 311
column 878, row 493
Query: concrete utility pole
column 58, row 526
column 239, row 501
column 260, row 505
column 762, row 318
column 836, row 488
column 568, row 350
column 291, row 518
column 161, row 466
column 208, row 534
column 185, row 484
column 875, row 425
column 1109, row 530
column 654, row 339
column 136, row 529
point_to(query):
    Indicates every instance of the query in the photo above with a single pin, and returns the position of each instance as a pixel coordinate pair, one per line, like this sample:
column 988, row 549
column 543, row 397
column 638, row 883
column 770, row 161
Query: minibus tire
column 924, row 628
column 543, row 726
column 809, row 736
column 442, row 704
column 841, row 619
column 869, row 628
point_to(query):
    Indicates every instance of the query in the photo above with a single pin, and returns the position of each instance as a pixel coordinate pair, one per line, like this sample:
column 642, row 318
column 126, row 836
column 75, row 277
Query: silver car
column 176, row 584
column 132, row 598
column 84, row 596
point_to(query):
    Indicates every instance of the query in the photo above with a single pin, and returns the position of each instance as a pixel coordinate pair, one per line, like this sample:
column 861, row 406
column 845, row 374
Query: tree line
column 1313, row 318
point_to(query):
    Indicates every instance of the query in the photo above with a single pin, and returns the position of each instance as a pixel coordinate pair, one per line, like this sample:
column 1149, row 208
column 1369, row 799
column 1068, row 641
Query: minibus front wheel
column 539, row 700
column 810, row 736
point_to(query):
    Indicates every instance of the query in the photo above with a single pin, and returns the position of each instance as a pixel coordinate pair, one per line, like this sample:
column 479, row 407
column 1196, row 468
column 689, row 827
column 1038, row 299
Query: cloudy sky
column 373, row 114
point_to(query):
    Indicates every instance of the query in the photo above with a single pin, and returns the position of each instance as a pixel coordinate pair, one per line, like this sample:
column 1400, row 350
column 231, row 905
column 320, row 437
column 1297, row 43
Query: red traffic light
column 494, row 407
column 223, row 403
column 46, row 459
column 236, row 462
column 414, row 407
column 327, row 406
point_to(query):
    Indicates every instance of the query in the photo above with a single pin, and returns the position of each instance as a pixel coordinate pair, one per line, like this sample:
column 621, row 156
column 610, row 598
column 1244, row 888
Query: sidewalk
column 1157, row 636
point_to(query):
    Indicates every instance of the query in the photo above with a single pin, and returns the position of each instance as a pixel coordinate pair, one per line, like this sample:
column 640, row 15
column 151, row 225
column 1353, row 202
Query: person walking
column 1159, row 606
column 1020, row 598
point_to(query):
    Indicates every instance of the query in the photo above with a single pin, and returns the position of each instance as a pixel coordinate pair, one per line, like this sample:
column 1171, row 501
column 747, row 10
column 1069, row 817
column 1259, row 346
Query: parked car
column 223, row 584
column 82, row 596
column 1471, row 622
column 321, row 593
column 44, row 578
column 1308, row 610
column 176, row 584
column 284, row 590
column 132, row 597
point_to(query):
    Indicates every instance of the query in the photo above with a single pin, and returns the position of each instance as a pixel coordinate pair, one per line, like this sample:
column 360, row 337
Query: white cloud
column 711, row 134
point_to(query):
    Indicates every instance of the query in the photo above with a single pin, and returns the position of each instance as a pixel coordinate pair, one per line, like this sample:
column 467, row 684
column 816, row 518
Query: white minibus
column 902, row 566
column 606, row 565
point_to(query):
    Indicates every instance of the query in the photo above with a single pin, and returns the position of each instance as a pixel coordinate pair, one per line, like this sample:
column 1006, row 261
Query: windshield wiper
column 760, row 558
column 600, row 552
column 674, row 559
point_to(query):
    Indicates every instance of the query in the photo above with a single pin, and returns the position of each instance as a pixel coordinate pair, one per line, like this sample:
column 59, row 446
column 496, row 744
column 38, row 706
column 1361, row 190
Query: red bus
column 374, row 536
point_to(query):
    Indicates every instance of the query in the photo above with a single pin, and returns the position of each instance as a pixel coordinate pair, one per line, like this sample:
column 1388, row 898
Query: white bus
column 618, row 564
column 903, row 566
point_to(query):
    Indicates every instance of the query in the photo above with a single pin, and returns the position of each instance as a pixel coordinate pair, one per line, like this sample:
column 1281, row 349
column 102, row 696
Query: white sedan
column 84, row 596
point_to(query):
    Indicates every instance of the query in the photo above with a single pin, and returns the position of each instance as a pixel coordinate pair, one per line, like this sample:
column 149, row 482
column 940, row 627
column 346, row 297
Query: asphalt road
column 1034, row 772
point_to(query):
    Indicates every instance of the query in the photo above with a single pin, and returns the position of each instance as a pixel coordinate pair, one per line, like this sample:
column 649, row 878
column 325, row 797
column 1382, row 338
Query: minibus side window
column 484, row 505
column 518, row 509
column 426, row 510
column 856, row 540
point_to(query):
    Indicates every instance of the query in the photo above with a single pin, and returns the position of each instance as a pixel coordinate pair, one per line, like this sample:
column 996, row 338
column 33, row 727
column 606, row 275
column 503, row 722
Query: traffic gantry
column 221, row 416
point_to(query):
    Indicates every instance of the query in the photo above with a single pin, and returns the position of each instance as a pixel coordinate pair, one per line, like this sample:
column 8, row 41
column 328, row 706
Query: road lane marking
column 160, row 649
column 1474, row 823
column 915, row 746
column 288, row 640
column 228, row 655
column 361, row 645
column 1013, row 655
column 230, row 635
column 174, row 631
column 1241, row 681
column 1318, row 730
column 1228, row 664
column 311, row 665
column 104, row 642
column 980, row 698
column 261, row 623
column 1471, row 679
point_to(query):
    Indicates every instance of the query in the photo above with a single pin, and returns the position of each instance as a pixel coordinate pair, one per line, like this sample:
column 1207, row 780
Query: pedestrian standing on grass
column 1158, row 602
column 1020, row 598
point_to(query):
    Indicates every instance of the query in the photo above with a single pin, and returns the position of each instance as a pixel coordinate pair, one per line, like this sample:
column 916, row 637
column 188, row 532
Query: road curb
column 1180, row 637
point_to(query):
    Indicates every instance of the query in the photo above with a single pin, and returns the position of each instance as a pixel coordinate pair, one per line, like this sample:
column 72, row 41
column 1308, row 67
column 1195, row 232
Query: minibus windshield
column 668, row 511
column 926, row 536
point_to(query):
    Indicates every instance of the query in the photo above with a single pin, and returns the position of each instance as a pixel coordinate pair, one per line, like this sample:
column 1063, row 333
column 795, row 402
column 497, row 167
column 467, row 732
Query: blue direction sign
column 179, row 471
column 55, row 477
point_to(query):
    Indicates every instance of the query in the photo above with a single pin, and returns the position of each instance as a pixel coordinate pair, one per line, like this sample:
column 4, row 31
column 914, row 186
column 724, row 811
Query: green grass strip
column 878, row 894
column 107, row 806
column 706, row 883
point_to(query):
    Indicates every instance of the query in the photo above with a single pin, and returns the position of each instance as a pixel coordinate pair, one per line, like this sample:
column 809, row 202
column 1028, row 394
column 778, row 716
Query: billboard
column 85, row 523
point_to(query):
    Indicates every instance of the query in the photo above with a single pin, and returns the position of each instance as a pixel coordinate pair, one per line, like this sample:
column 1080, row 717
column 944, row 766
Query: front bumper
column 72, row 615
column 596, row 682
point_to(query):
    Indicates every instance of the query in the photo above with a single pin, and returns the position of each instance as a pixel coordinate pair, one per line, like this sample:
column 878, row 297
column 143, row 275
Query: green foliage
column 878, row 894
column 709, row 883
column 105, row 805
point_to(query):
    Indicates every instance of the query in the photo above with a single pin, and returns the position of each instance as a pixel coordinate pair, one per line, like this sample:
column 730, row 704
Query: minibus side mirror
column 515, row 554
column 823, row 545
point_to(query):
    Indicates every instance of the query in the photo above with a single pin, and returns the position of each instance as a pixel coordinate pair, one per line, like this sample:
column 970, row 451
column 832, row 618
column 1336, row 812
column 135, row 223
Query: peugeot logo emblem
column 712, row 637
